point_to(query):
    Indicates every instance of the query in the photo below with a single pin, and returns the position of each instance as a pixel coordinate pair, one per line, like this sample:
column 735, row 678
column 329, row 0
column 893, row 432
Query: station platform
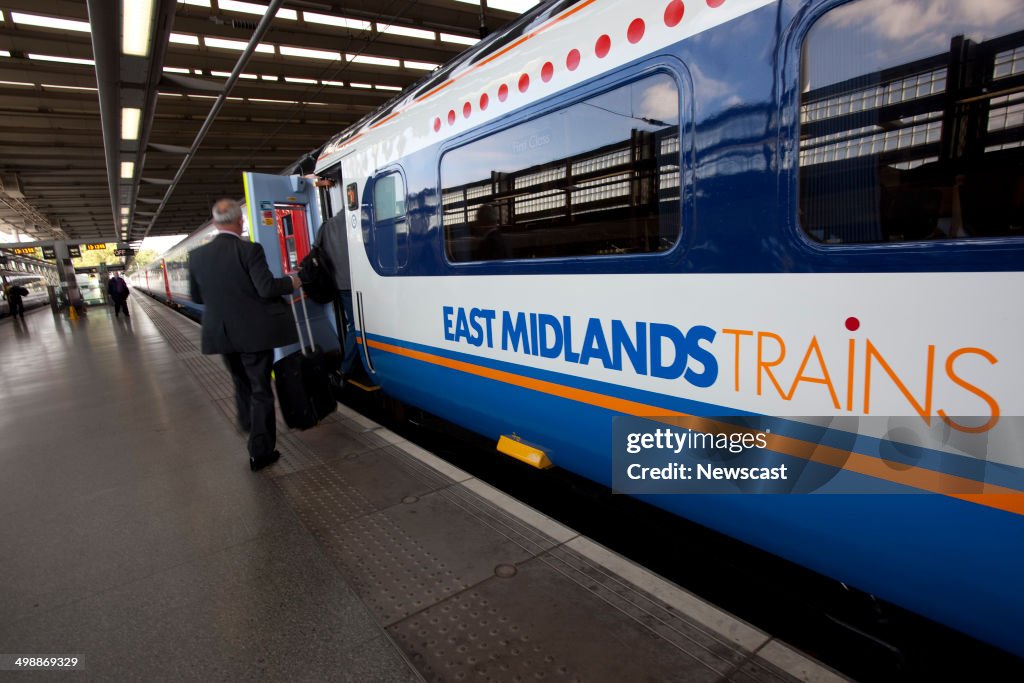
column 137, row 540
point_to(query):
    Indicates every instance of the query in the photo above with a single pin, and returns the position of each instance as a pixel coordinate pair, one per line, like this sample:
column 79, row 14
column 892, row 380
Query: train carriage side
column 641, row 209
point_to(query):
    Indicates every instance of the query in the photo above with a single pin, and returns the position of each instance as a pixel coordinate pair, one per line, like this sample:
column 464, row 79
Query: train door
column 283, row 217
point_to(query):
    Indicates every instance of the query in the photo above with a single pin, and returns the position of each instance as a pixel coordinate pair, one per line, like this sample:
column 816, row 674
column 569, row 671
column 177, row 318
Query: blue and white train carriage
column 811, row 210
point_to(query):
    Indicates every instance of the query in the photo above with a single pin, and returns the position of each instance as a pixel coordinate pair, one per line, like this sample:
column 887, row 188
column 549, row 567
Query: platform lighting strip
column 64, row 60
column 506, row 5
column 184, row 39
column 130, row 119
column 136, row 27
column 50, row 22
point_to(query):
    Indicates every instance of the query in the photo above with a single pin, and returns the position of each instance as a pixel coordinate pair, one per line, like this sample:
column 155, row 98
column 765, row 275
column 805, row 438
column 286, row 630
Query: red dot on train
column 484, row 101
column 674, row 13
column 852, row 324
column 547, row 71
column 467, row 109
column 503, row 92
column 524, row 83
column 451, row 116
column 437, row 124
column 602, row 46
column 572, row 60
column 635, row 31
column 716, row 3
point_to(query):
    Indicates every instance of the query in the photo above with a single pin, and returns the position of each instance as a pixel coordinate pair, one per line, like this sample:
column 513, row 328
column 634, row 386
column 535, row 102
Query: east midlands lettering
column 755, row 356
column 611, row 344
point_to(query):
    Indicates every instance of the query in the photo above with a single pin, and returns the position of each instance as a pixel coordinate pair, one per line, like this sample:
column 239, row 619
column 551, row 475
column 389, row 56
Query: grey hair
column 226, row 212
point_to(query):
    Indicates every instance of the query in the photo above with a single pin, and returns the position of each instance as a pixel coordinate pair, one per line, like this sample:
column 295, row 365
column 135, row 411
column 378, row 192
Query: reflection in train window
column 597, row 178
column 389, row 197
column 912, row 122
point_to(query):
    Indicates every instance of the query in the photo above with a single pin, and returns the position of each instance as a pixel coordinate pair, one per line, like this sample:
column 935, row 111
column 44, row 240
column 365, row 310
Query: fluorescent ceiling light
column 221, row 74
column 49, row 22
column 519, row 6
column 136, row 27
column 249, row 76
column 184, row 39
column 125, row 210
column 386, row 87
column 29, row 85
column 410, row 32
column 268, row 78
column 361, row 85
column 343, row 22
column 257, row 99
column 377, row 61
column 461, row 40
column 339, row 83
column 251, row 8
column 424, row 66
column 127, row 169
column 175, row 70
column 197, row 3
column 289, row 51
column 65, row 60
column 130, row 117
column 236, row 44
column 289, row 79
column 4, row 53
column 68, row 87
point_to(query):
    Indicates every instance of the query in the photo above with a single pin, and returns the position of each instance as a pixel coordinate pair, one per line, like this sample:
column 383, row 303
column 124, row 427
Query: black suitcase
column 301, row 378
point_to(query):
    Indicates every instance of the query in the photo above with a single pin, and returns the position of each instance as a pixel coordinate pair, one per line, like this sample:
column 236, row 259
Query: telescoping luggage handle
column 298, row 328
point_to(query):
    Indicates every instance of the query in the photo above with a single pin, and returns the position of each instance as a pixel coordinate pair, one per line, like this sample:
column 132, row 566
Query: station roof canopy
column 99, row 109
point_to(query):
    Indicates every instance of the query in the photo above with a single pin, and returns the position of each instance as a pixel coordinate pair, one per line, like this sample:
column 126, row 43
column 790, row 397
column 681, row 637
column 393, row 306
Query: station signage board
column 24, row 251
column 74, row 251
column 49, row 253
column 96, row 247
column 124, row 252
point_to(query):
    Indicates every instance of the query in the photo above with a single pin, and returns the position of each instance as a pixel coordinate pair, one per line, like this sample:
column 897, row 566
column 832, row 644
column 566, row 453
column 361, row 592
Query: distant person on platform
column 117, row 288
column 17, row 306
column 334, row 243
column 245, row 319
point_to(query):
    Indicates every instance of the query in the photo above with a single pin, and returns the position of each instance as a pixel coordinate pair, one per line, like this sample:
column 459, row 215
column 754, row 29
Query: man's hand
column 296, row 282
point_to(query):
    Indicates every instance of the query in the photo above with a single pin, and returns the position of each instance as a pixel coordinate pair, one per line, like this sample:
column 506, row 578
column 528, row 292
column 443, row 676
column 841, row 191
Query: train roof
column 423, row 88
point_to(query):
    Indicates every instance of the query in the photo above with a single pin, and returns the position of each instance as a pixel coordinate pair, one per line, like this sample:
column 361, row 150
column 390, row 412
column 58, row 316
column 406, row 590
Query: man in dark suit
column 117, row 289
column 245, row 319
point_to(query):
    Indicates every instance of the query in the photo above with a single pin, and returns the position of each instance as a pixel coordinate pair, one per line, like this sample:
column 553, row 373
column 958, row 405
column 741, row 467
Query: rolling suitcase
column 303, row 389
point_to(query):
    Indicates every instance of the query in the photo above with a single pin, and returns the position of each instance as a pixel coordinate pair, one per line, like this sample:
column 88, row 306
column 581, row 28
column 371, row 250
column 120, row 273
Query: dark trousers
column 17, row 308
column 254, row 398
column 120, row 305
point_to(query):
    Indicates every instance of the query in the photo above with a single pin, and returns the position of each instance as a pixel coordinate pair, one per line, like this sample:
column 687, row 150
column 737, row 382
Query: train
column 35, row 284
column 796, row 226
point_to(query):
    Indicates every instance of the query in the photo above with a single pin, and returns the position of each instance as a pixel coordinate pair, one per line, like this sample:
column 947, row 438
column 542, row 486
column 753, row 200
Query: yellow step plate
column 510, row 445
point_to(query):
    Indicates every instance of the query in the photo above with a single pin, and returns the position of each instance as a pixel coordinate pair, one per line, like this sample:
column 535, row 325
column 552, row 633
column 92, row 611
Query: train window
column 596, row 178
column 912, row 122
column 389, row 197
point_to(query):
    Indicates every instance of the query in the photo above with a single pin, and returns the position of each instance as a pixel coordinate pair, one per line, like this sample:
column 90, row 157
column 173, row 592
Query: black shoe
column 258, row 463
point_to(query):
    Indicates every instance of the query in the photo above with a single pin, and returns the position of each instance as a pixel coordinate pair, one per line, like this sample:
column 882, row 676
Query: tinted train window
column 389, row 197
column 600, row 177
column 912, row 122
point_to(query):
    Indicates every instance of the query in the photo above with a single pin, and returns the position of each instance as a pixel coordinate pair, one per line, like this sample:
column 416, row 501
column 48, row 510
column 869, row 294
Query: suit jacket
column 117, row 288
column 334, row 242
column 244, row 309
